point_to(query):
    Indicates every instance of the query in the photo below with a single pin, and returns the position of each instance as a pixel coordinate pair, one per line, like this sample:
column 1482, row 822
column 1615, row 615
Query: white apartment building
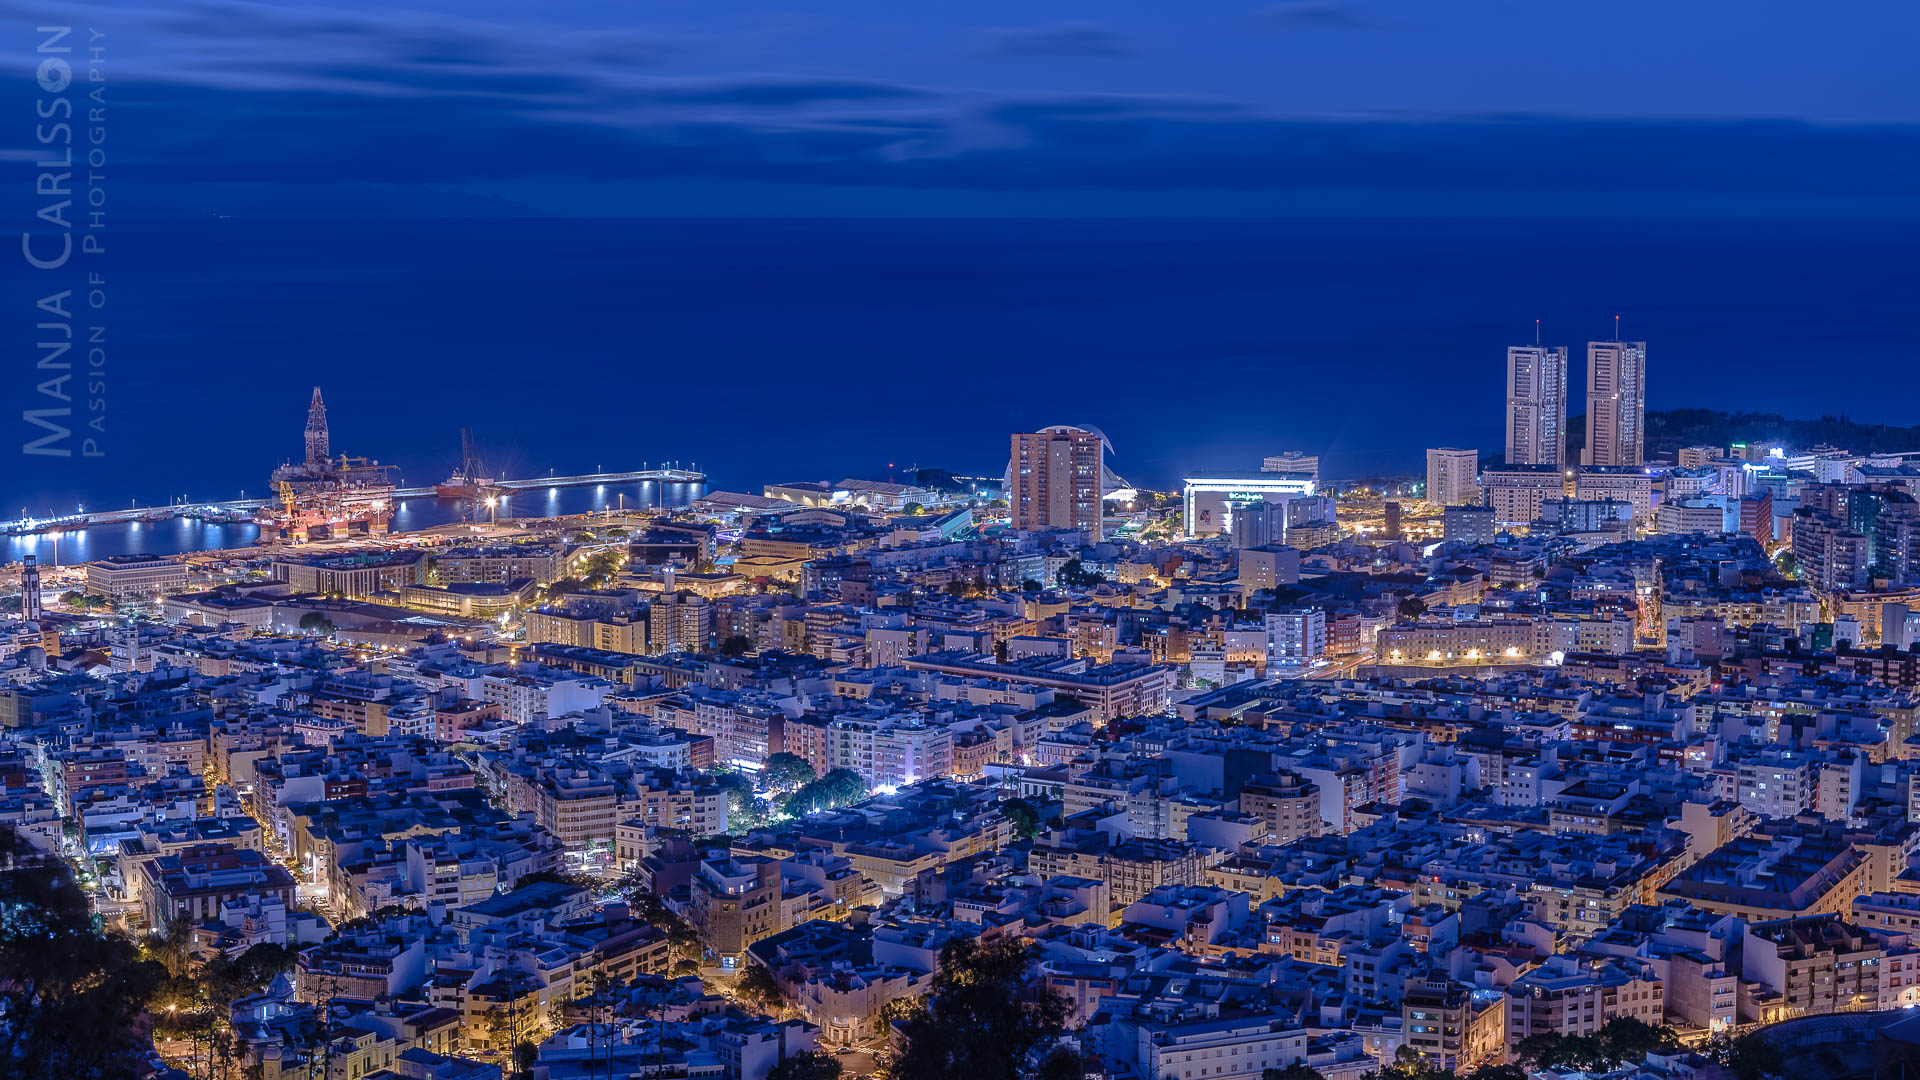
column 1516, row 492
column 1536, row 405
column 1616, row 403
column 1453, row 476
column 1777, row 783
column 1296, row 637
column 890, row 752
column 1629, row 484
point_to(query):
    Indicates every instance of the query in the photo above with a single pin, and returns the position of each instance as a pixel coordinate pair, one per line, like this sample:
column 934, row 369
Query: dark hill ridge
column 1670, row 429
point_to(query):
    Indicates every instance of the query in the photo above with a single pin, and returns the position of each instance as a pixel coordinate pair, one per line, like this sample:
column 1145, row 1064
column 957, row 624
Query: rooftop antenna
column 1616, row 328
column 1536, row 333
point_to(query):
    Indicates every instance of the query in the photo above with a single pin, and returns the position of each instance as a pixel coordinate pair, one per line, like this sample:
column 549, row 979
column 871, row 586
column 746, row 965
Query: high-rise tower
column 1537, row 405
column 317, row 448
column 30, row 587
column 1616, row 403
column 1055, row 478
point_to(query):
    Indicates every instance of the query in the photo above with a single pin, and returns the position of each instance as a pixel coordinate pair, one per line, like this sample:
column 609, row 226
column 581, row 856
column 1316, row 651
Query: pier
column 142, row 513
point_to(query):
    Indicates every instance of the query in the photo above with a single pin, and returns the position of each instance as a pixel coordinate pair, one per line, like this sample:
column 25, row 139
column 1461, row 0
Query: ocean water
column 809, row 349
column 177, row 535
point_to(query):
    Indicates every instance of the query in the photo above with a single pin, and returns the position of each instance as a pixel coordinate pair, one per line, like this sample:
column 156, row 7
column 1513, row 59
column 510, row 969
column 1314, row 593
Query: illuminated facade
column 1536, row 405
column 1055, row 480
column 1517, row 492
column 1616, row 403
column 1293, row 463
column 1210, row 501
column 1453, row 476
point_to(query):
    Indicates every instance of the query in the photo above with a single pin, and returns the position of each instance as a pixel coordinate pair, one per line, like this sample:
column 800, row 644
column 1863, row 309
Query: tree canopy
column 1025, row 818
column 71, row 995
column 743, row 805
column 979, row 1022
column 832, row 791
column 758, row 988
column 1075, row 575
column 1622, row 1041
column 784, row 772
column 810, row 1065
column 1752, row 1056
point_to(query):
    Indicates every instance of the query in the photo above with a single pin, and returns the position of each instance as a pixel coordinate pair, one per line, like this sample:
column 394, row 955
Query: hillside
column 1670, row 429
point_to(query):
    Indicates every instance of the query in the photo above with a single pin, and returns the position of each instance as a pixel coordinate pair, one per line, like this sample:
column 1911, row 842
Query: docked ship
column 30, row 527
column 470, row 480
column 462, row 486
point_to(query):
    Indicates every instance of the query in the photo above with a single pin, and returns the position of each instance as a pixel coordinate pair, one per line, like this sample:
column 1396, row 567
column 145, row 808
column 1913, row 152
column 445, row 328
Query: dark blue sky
column 608, row 107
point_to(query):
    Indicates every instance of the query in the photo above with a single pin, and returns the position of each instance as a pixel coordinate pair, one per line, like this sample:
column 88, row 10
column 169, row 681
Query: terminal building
column 134, row 579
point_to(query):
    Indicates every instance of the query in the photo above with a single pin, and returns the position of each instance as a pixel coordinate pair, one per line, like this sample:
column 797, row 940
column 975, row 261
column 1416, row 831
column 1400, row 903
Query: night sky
column 1547, row 120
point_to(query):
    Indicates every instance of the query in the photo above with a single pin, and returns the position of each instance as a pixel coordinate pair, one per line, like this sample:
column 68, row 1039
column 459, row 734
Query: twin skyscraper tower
column 1616, row 404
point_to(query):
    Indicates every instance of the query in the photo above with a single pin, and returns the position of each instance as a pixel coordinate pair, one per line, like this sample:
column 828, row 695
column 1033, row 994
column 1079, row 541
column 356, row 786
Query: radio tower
column 317, row 448
column 30, row 588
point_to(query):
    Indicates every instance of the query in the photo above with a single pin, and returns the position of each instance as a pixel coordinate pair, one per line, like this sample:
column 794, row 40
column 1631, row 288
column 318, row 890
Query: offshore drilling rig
column 320, row 497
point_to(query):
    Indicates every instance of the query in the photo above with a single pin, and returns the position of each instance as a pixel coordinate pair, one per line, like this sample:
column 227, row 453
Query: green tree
column 1063, row 1062
column 1537, row 1049
column 683, row 944
column 810, row 1065
column 1030, row 585
column 913, row 509
column 538, row 877
column 1410, row 1064
column 316, row 623
column 1634, row 1039
column 758, row 988
column 1412, row 607
column 601, row 568
column 902, row 1010
column 784, row 772
column 1752, row 1056
column 70, row 996
column 978, row 1022
column 1075, row 575
column 1025, row 818
column 743, row 805
column 736, row 646
column 1299, row 1070
column 838, row 788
